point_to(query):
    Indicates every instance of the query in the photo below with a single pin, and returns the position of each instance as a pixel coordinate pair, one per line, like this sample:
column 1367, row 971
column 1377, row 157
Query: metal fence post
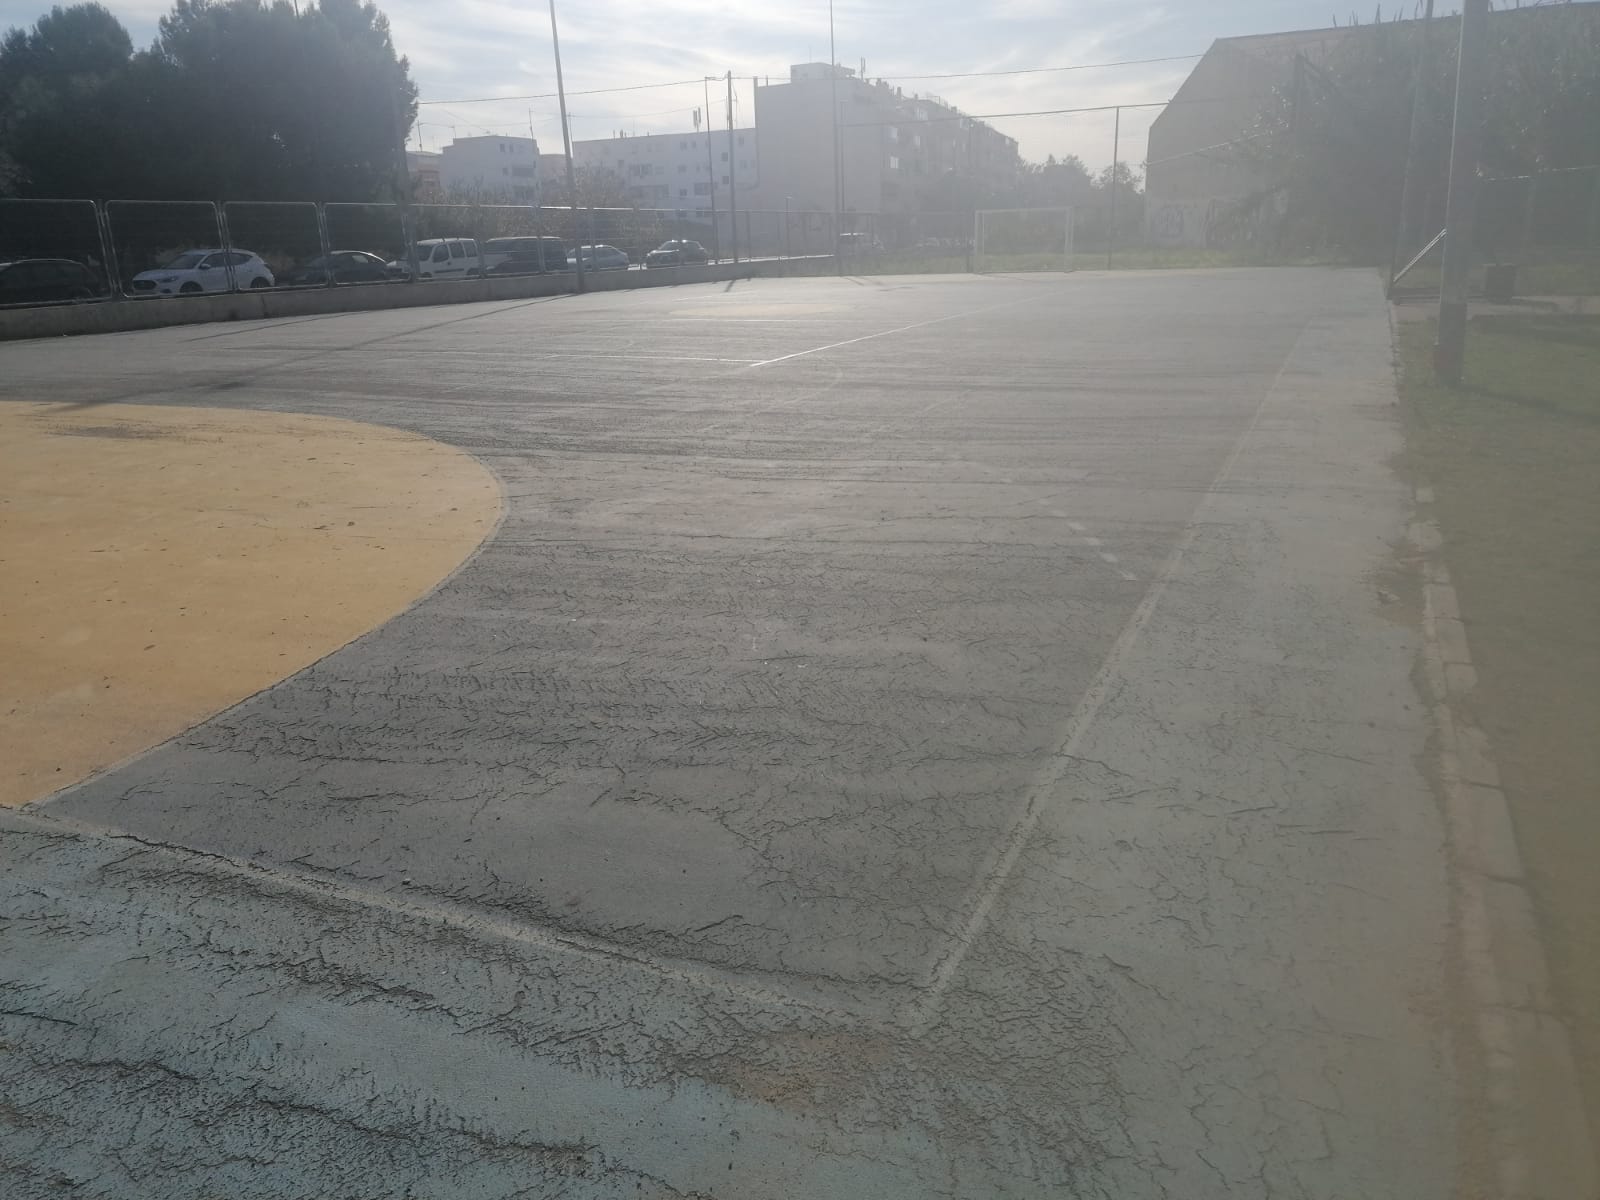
column 1594, row 212
column 1529, row 206
column 220, row 213
column 324, row 242
column 108, row 255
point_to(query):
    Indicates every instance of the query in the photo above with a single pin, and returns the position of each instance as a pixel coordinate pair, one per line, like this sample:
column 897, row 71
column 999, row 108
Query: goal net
column 1022, row 239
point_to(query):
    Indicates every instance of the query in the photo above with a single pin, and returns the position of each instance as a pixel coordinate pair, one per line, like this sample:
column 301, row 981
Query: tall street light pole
column 1462, row 202
column 711, row 171
column 566, row 143
column 838, row 152
column 733, row 178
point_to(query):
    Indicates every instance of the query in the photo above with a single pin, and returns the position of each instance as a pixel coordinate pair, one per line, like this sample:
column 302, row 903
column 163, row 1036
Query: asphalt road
column 908, row 738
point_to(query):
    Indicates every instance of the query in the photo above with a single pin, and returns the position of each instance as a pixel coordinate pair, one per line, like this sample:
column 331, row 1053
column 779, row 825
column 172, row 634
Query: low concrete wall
column 117, row 316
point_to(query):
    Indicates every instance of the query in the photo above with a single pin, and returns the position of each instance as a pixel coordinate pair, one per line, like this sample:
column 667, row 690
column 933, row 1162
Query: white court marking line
column 482, row 923
column 888, row 333
column 603, row 356
column 924, row 1010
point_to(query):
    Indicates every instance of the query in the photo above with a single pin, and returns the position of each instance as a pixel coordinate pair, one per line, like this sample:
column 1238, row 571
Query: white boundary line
column 482, row 924
column 923, row 1011
column 889, row 333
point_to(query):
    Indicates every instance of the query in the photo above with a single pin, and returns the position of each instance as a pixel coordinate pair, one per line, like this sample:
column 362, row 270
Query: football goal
column 1022, row 239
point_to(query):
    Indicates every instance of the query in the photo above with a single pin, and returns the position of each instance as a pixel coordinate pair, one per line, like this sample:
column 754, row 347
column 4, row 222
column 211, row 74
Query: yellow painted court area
column 160, row 564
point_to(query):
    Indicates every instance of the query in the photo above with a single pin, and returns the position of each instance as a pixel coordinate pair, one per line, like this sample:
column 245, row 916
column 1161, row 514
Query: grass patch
column 1514, row 458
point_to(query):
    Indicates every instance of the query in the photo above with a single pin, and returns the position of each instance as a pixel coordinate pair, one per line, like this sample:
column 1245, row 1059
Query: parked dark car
column 524, row 255
column 346, row 266
column 43, row 280
column 677, row 253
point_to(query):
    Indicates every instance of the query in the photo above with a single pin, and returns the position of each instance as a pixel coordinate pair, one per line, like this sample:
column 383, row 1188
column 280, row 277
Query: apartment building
column 504, row 169
column 893, row 147
column 689, row 172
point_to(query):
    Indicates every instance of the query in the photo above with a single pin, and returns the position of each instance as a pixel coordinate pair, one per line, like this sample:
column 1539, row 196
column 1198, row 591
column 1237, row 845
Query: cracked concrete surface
column 791, row 799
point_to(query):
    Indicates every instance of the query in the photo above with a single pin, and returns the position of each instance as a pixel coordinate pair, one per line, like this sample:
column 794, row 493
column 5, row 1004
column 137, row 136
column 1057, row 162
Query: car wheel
column 258, row 283
column 189, row 289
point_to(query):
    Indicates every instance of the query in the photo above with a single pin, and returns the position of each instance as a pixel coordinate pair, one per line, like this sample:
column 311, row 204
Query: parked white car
column 196, row 271
column 442, row 258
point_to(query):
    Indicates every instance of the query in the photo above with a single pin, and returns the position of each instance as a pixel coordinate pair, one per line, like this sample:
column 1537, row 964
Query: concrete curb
column 121, row 316
column 1542, row 1146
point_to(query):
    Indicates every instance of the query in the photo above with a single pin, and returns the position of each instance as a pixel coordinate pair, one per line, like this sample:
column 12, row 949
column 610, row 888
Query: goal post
column 1022, row 239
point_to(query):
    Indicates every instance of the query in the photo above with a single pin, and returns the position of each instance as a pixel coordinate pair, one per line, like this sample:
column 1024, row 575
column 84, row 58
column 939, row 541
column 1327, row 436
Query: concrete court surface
column 908, row 738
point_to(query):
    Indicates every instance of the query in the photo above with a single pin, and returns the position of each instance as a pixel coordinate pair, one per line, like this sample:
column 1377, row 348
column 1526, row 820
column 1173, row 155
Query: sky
column 464, row 50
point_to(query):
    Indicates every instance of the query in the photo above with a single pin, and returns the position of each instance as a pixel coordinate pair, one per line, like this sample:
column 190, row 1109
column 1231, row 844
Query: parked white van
column 443, row 258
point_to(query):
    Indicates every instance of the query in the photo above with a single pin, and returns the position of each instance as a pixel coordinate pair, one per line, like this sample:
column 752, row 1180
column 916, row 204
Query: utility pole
column 733, row 179
column 1408, row 233
column 1116, row 152
column 838, row 152
column 711, row 171
column 403, row 188
column 566, row 143
column 1461, row 205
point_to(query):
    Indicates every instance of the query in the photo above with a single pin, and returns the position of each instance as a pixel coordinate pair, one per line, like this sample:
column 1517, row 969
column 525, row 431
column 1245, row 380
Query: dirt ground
column 1512, row 458
column 160, row 564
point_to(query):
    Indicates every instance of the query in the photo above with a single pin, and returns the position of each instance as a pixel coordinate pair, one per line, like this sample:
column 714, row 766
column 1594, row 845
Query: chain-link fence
column 76, row 250
column 1533, row 235
column 159, row 249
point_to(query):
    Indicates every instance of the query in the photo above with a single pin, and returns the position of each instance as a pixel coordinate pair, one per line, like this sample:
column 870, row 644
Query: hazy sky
column 473, row 48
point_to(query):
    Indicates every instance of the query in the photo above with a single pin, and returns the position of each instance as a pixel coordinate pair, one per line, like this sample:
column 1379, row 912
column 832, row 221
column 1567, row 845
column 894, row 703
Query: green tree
column 1338, row 136
column 285, row 105
column 237, row 99
column 58, row 117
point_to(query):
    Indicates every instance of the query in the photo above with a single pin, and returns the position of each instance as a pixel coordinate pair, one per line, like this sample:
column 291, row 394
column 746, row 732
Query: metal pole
column 1116, row 152
column 838, row 150
column 221, row 213
column 711, row 172
column 1460, row 206
column 1594, row 214
column 1530, row 208
column 403, row 192
column 733, row 178
column 1408, row 232
column 108, row 256
column 324, row 242
column 566, row 140
column 787, row 253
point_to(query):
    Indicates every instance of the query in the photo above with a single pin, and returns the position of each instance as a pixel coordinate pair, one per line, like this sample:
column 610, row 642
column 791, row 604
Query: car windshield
column 187, row 261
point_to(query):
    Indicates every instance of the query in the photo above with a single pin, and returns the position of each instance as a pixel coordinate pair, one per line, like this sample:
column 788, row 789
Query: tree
column 286, row 105
column 1338, row 137
column 238, row 99
column 58, row 119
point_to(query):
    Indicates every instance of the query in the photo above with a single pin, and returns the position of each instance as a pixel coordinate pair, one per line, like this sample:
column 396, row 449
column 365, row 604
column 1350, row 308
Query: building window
column 741, row 139
column 724, row 156
column 892, row 133
column 894, row 162
column 724, row 181
column 682, row 168
column 502, row 147
column 702, row 189
column 683, row 191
